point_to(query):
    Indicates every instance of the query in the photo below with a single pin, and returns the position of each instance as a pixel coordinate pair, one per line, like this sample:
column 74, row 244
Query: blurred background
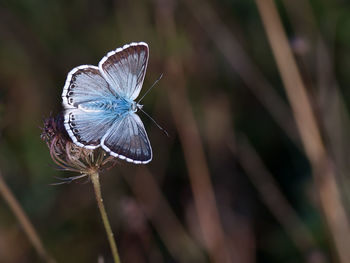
column 248, row 174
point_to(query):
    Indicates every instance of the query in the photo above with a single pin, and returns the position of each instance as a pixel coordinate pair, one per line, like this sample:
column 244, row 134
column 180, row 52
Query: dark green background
column 41, row 41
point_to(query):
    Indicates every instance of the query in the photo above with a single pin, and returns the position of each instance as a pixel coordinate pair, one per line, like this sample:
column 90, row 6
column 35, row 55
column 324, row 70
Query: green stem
column 96, row 182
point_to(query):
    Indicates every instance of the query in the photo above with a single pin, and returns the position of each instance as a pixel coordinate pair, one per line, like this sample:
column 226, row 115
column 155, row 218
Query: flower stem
column 96, row 182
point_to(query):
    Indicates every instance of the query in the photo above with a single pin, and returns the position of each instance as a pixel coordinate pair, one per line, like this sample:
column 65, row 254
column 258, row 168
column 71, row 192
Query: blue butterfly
column 100, row 110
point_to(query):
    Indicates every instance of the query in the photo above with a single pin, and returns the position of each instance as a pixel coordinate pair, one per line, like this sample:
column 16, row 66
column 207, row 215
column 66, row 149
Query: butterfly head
column 135, row 106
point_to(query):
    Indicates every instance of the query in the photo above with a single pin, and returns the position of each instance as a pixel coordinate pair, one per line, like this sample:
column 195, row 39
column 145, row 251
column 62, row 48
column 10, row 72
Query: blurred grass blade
column 271, row 195
column 162, row 217
column 202, row 188
column 241, row 63
column 322, row 166
column 24, row 221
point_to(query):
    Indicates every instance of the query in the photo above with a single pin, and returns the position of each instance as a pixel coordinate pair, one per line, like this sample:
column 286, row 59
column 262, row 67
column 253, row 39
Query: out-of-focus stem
column 162, row 217
column 322, row 166
column 240, row 62
column 272, row 196
column 204, row 197
column 24, row 221
column 95, row 178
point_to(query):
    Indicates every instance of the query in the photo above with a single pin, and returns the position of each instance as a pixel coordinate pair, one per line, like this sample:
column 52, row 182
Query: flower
column 70, row 157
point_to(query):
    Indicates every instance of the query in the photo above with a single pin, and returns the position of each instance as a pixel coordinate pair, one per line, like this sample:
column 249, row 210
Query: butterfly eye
column 70, row 100
column 75, row 130
column 134, row 107
column 70, row 93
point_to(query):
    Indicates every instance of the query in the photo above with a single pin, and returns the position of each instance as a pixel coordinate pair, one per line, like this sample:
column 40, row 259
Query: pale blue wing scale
column 85, row 84
column 86, row 128
column 125, row 69
column 128, row 140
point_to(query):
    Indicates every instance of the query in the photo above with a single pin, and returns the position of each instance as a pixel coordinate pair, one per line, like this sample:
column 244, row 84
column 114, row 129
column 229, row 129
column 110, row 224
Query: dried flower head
column 70, row 157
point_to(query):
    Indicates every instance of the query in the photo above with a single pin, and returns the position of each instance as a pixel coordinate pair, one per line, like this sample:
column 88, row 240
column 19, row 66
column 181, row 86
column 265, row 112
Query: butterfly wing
column 127, row 139
column 85, row 84
column 86, row 128
column 125, row 69
column 85, row 89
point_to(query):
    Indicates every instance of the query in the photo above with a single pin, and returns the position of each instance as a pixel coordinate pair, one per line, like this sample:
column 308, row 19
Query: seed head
column 70, row 157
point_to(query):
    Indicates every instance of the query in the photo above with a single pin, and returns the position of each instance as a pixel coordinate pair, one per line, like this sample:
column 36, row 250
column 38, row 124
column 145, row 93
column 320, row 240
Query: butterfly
column 100, row 110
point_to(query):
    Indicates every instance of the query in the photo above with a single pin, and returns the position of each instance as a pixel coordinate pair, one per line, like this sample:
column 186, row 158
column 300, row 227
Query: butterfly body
column 116, row 106
column 100, row 110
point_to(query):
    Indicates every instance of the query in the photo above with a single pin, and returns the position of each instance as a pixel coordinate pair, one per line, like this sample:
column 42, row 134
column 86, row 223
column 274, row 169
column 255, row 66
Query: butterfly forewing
column 128, row 140
column 125, row 69
column 83, row 85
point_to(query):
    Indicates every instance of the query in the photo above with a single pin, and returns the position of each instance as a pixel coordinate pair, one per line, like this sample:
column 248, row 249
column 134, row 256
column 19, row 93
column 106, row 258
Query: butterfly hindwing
column 128, row 140
column 86, row 128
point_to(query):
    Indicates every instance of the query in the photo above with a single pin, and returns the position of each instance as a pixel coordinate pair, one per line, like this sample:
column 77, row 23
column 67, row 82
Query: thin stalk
column 95, row 178
column 271, row 194
column 24, row 221
column 322, row 164
column 174, row 235
column 239, row 60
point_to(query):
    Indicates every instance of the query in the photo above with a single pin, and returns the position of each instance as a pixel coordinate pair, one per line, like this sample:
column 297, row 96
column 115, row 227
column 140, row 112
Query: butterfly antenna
column 160, row 127
column 160, row 77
